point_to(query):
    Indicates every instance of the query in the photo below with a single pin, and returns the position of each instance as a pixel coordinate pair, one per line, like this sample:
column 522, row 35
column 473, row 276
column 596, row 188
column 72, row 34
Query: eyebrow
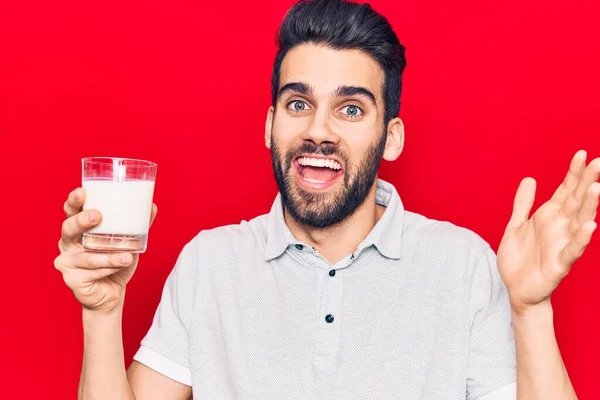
column 297, row 87
column 346, row 91
column 342, row 91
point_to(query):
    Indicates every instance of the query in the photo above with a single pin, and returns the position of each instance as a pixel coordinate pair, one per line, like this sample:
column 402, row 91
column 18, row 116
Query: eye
column 297, row 106
column 352, row 111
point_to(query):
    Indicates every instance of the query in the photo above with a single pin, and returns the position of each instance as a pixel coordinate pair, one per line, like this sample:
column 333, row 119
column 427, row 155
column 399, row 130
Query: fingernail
column 91, row 217
column 124, row 259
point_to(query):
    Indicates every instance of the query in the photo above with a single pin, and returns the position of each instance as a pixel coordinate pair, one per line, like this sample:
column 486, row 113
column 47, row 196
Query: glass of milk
column 122, row 190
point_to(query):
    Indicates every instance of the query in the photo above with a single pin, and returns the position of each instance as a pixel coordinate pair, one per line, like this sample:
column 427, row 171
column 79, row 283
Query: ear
column 395, row 140
column 269, row 127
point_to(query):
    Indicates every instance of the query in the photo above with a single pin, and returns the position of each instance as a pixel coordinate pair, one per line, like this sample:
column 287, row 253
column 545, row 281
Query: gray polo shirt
column 418, row 311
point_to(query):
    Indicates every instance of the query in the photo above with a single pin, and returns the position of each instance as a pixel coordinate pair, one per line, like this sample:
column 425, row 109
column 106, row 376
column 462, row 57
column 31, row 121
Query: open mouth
column 317, row 172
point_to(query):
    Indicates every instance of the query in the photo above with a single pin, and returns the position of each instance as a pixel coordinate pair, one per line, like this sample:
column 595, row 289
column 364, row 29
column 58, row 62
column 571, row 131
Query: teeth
column 314, row 181
column 319, row 162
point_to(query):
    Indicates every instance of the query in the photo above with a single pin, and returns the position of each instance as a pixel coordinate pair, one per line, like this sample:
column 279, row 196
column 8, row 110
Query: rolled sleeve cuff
column 168, row 368
column 508, row 392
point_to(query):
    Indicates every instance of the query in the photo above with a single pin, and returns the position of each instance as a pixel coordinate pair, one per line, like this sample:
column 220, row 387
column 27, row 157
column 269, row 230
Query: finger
column 76, row 278
column 153, row 213
column 590, row 175
column 91, row 275
column 569, row 184
column 74, row 226
column 74, row 202
column 570, row 206
column 576, row 246
column 61, row 245
column 523, row 203
column 91, row 260
column 589, row 206
column 60, row 262
column 574, row 200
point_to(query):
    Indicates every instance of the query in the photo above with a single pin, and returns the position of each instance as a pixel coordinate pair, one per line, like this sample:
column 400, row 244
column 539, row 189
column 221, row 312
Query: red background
column 493, row 92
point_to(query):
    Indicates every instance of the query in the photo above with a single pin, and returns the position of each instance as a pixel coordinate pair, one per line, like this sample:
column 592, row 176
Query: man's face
column 327, row 133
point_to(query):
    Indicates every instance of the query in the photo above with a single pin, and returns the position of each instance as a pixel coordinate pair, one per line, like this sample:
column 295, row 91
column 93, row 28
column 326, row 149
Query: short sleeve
column 165, row 347
column 492, row 355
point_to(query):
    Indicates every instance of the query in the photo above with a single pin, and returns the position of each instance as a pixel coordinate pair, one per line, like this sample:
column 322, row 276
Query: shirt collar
column 385, row 236
column 279, row 236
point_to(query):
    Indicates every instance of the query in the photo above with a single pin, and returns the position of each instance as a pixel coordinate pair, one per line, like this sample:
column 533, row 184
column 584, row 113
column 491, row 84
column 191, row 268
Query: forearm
column 541, row 373
column 103, row 374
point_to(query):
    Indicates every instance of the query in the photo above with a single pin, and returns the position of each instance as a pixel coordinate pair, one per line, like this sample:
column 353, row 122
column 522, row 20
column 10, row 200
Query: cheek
column 359, row 146
column 281, row 130
column 281, row 137
column 286, row 131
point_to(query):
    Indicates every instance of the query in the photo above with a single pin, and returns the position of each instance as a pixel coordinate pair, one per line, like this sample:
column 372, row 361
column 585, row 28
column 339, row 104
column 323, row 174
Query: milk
column 125, row 205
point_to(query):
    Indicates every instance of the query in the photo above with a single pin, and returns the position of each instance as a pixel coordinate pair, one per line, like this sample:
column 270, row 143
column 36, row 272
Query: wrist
column 532, row 313
column 114, row 313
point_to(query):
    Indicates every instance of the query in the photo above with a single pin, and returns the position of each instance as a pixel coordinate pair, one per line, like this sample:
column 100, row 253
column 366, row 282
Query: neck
column 337, row 241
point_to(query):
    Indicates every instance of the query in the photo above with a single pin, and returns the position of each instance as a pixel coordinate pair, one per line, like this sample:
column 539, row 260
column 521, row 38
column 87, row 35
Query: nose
column 319, row 131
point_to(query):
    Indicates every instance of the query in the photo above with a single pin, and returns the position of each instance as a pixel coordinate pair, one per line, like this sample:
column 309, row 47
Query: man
column 338, row 292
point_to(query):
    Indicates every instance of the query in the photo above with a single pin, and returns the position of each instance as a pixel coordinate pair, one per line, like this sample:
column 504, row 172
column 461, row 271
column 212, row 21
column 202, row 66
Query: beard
column 322, row 210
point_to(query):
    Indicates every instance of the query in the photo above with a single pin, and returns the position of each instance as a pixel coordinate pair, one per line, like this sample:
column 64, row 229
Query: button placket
column 327, row 346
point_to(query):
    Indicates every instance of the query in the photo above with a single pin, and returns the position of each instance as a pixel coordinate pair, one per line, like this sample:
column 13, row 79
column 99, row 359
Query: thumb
column 153, row 213
column 523, row 203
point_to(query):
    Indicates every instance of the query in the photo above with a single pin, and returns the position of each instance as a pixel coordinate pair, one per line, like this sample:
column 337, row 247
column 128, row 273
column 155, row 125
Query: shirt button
column 299, row 246
column 332, row 272
column 329, row 318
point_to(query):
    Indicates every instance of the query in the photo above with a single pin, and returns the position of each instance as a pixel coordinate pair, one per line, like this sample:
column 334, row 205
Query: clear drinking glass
column 122, row 190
